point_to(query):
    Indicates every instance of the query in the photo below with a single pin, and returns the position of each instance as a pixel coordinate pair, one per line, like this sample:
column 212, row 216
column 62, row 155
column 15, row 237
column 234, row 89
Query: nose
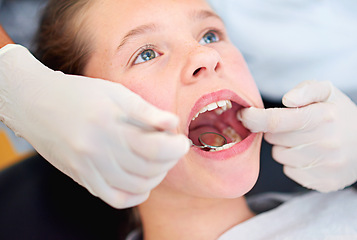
column 202, row 62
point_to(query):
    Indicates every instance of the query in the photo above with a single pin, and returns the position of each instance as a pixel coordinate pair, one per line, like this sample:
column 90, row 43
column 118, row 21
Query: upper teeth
column 219, row 106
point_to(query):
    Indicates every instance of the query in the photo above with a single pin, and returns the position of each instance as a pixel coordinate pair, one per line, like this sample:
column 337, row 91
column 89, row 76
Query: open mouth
column 218, row 117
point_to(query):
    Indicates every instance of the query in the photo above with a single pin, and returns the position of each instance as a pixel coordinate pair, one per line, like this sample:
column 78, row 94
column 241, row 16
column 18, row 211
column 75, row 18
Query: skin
column 200, row 198
column 4, row 38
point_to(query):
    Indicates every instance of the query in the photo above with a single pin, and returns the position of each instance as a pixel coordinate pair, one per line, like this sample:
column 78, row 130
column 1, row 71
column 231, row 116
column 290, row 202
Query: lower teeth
column 233, row 135
column 226, row 146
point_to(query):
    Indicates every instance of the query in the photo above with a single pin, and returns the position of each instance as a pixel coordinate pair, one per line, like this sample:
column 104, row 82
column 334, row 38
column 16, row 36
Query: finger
column 289, row 139
column 324, row 134
column 116, row 177
column 132, row 162
column 114, row 197
column 133, row 184
column 302, row 156
column 98, row 176
column 129, row 200
column 110, row 173
column 255, row 119
column 141, row 167
column 118, row 153
column 276, row 120
column 145, row 112
column 308, row 92
column 157, row 146
column 323, row 180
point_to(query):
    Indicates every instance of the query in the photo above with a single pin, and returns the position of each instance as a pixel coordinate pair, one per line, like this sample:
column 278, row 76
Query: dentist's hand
column 77, row 124
column 314, row 138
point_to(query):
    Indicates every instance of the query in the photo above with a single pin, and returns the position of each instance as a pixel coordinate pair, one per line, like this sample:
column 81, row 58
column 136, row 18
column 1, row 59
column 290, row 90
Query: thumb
column 254, row 119
column 308, row 92
column 279, row 120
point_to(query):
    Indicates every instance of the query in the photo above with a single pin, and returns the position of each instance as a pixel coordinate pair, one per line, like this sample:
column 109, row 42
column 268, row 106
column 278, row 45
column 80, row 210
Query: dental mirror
column 211, row 140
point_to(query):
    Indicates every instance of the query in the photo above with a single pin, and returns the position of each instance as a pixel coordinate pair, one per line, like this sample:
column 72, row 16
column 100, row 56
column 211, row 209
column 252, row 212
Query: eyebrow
column 152, row 27
column 140, row 30
column 203, row 14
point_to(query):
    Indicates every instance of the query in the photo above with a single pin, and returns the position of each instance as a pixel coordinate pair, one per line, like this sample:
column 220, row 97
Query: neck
column 182, row 217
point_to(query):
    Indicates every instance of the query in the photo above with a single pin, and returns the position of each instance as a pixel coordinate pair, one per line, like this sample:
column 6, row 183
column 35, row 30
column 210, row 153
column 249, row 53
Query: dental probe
column 144, row 126
column 220, row 140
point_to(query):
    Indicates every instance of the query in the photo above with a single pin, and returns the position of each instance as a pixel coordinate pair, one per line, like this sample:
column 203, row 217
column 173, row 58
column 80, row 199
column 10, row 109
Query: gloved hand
column 76, row 123
column 314, row 138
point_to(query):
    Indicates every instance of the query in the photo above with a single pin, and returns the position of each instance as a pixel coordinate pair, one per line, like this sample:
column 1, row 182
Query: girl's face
column 177, row 56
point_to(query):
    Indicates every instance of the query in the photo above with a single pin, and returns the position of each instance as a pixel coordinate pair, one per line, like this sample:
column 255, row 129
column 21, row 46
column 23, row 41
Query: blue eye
column 146, row 55
column 209, row 37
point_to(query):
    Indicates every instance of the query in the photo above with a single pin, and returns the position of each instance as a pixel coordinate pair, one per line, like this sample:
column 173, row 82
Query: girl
column 177, row 56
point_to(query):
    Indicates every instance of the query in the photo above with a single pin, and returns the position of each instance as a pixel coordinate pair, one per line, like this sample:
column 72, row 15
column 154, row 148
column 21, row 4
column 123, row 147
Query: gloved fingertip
column 293, row 98
column 239, row 115
column 186, row 144
column 135, row 200
column 245, row 113
column 308, row 92
column 175, row 148
column 252, row 118
column 164, row 120
column 170, row 121
column 301, row 95
column 120, row 200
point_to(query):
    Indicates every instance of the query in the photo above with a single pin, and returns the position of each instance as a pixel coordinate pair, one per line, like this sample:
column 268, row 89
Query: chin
column 222, row 178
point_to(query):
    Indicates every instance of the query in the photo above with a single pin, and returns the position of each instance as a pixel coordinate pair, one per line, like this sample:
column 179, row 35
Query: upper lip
column 209, row 98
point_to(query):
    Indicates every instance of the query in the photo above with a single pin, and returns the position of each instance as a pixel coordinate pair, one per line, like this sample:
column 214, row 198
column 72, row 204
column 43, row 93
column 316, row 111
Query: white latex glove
column 314, row 138
column 76, row 124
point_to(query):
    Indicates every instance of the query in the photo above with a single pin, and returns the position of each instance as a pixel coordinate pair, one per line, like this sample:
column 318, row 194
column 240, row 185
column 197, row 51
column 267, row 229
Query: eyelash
column 217, row 32
column 143, row 49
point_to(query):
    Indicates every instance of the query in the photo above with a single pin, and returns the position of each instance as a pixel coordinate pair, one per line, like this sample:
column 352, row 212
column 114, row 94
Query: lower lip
column 238, row 148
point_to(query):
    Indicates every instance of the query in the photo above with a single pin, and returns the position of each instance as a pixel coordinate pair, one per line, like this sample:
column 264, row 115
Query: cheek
column 152, row 85
column 238, row 70
column 156, row 92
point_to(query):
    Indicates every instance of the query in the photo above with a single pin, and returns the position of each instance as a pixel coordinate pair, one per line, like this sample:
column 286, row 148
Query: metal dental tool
column 204, row 138
column 143, row 126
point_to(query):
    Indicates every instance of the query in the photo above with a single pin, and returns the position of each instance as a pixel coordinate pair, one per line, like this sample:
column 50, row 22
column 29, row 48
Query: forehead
column 110, row 21
column 139, row 4
column 132, row 12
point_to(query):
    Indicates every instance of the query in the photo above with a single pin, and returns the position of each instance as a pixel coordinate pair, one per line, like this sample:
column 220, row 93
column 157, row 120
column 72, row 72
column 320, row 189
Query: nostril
column 197, row 71
column 217, row 67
